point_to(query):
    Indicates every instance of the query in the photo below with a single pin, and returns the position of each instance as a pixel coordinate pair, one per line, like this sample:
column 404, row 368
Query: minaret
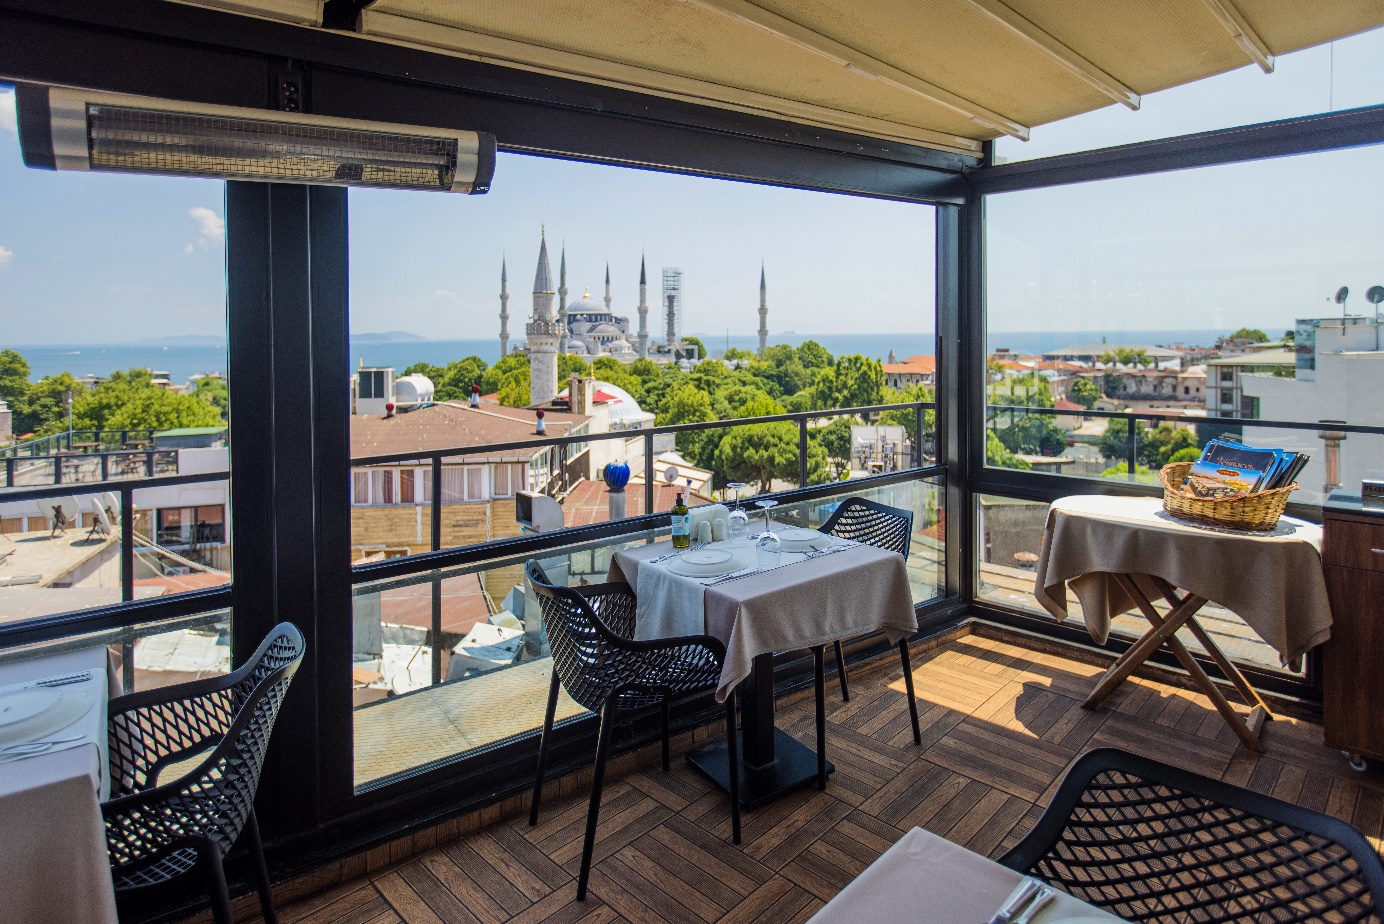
column 562, row 301
column 543, row 332
column 504, row 309
column 643, row 310
column 763, row 312
column 607, row 296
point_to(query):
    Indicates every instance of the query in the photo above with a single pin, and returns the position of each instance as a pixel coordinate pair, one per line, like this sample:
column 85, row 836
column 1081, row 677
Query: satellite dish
column 64, row 510
column 670, row 474
column 1342, row 294
column 1374, row 295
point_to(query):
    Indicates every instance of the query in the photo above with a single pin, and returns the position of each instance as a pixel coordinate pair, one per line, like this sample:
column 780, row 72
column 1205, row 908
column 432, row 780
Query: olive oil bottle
column 682, row 525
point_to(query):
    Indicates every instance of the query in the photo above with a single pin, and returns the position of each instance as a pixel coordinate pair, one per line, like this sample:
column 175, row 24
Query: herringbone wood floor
column 1000, row 724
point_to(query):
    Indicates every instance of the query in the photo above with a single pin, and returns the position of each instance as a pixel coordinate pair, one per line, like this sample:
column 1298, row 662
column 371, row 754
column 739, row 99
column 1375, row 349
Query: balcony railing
column 82, row 467
column 515, row 548
column 80, row 441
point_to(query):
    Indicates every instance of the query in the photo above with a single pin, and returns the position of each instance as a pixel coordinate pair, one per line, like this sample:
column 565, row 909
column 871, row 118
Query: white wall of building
column 1348, row 386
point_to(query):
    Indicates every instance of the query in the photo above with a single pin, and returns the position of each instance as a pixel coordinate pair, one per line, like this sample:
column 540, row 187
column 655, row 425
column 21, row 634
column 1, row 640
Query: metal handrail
column 1153, row 414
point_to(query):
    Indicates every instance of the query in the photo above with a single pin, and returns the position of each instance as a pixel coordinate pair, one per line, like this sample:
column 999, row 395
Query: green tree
column 1189, row 454
column 130, row 400
column 835, row 438
column 1113, row 443
column 1034, row 434
column 645, row 369
column 760, row 405
column 734, row 354
column 759, row 453
column 687, row 403
column 1164, row 441
column 1084, row 392
column 514, row 362
column 611, row 370
column 908, row 419
column 695, row 342
column 42, row 409
column 813, row 355
column 514, row 389
column 213, row 389
column 1252, row 334
column 999, row 456
column 854, row 381
column 1121, row 471
column 569, row 365
column 804, row 400
column 14, row 377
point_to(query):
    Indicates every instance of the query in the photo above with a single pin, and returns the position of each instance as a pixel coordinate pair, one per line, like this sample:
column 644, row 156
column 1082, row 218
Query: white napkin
column 708, row 513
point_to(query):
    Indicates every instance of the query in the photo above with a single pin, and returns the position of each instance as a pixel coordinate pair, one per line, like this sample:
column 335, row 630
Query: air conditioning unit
column 61, row 128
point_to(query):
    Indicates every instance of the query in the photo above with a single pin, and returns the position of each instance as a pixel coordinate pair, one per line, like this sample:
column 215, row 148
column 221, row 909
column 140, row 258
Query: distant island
column 389, row 336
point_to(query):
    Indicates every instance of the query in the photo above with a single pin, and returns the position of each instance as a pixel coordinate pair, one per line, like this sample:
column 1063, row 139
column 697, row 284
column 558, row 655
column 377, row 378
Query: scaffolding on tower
column 672, row 304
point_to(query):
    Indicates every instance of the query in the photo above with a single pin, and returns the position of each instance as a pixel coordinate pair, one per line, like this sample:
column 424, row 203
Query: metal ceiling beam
column 1242, row 32
column 1057, row 51
column 860, row 63
column 495, row 50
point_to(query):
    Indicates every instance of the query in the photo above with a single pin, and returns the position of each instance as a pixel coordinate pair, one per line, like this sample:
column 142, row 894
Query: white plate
column 28, row 715
column 798, row 539
column 705, row 563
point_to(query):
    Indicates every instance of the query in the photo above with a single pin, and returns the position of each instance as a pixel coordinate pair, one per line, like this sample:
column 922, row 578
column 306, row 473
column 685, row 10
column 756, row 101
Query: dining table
column 54, row 867
column 833, row 589
column 926, row 879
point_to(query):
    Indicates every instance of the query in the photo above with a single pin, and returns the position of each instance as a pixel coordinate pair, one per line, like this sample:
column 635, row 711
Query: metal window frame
column 287, row 272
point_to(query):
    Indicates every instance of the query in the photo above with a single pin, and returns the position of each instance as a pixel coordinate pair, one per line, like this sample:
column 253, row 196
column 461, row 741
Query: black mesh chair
column 1150, row 842
column 888, row 528
column 590, row 631
column 157, row 830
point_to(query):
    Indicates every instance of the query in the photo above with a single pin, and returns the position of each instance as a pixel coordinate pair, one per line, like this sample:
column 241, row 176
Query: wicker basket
column 1258, row 512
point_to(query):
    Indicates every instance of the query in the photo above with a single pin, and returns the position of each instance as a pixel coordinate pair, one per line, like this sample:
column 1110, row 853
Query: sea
column 183, row 361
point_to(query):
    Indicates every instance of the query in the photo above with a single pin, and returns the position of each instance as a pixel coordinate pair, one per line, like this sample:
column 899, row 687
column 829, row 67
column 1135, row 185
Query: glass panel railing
column 459, row 656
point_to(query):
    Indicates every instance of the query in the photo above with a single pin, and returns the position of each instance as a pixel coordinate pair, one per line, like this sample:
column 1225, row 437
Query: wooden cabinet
column 1352, row 679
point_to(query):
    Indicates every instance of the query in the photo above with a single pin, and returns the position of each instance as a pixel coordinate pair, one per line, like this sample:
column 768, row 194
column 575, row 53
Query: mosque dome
column 619, row 347
column 605, row 329
column 586, row 305
column 576, row 348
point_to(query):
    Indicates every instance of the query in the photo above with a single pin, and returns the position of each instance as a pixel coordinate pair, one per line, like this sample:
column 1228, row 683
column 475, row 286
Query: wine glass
column 739, row 521
column 766, row 504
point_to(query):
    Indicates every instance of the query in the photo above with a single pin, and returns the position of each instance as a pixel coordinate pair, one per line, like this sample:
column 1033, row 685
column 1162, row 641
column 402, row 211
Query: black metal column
column 288, row 367
column 960, row 359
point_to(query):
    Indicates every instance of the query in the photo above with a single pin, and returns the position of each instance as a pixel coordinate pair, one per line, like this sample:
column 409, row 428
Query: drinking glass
column 768, row 550
column 738, row 523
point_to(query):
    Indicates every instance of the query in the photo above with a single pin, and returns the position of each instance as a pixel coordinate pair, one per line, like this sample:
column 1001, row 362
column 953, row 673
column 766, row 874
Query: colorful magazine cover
column 1239, row 468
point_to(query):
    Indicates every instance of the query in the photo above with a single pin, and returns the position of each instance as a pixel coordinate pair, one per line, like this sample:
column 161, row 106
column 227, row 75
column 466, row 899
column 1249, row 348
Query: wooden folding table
column 1120, row 554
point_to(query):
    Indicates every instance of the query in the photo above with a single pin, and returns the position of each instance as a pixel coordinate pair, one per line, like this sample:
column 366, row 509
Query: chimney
column 389, row 410
column 541, row 428
column 475, row 396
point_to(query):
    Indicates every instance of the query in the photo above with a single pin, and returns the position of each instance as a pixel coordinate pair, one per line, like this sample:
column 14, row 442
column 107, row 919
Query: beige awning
column 945, row 74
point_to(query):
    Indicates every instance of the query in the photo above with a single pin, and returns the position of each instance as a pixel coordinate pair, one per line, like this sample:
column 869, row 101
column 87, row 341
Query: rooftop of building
column 444, row 426
column 913, row 364
column 1279, row 357
column 1096, row 349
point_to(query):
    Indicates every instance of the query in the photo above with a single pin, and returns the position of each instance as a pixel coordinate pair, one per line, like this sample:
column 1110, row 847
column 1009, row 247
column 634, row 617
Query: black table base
column 772, row 763
column 794, row 765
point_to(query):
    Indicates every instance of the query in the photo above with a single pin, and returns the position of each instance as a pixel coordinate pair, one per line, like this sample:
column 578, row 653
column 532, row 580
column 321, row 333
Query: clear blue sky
column 108, row 259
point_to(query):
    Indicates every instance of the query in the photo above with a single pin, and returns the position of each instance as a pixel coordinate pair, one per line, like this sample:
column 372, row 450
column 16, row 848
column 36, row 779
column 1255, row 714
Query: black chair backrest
column 586, row 652
column 214, row 799
column 865, row 521
column 1152, row 842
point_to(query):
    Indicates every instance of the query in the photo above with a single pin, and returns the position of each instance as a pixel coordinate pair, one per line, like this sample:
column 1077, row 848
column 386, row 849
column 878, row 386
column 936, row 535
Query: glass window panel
column 475, row 478
column 382, row 486
column 406, row 479
column 360, row 488
column 453, row 491
column 1114, row 295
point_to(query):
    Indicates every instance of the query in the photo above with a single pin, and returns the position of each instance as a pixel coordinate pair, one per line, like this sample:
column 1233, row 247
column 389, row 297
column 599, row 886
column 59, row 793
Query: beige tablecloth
column 926, row 879
column 1273, row 582
column 53, row 863
column 809, row 603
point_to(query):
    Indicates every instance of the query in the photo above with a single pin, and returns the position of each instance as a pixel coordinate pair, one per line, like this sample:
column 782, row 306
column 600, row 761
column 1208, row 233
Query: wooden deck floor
column 1000, row 725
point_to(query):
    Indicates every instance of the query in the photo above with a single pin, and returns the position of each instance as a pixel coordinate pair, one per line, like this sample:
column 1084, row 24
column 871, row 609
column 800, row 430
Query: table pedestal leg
column 772, row 763
column 1163, row 631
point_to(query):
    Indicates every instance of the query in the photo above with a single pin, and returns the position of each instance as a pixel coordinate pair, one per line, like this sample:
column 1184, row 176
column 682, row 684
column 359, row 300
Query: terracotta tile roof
column 442, row 426
column 463, row 605
column 589, row 502
column 918, row 365
column 1063, row 404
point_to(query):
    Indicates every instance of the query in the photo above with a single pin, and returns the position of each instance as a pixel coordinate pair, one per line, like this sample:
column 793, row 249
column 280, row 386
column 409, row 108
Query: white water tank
column 413, row 390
